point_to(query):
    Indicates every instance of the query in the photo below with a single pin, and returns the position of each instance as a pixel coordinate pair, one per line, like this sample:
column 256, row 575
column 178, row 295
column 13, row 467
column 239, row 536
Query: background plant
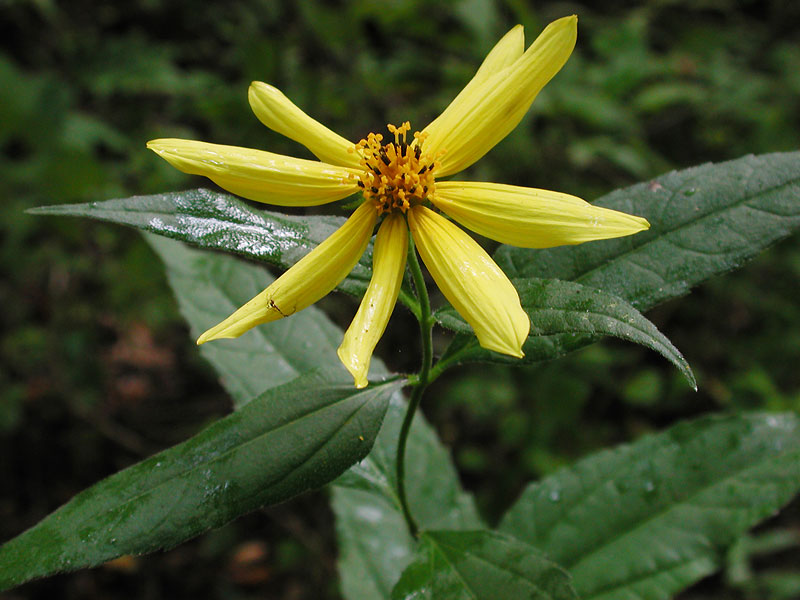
column 648, row 89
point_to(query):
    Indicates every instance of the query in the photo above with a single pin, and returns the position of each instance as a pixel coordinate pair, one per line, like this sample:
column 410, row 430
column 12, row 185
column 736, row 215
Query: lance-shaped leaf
column 704, row 221
column 643, row 521
column 566, row 315
column 293, row 438
column 480, row 565
column 219, row 221
column 375, row 544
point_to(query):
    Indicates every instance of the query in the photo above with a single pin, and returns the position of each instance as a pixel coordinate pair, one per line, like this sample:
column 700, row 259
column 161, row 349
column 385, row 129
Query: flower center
column 397, row 175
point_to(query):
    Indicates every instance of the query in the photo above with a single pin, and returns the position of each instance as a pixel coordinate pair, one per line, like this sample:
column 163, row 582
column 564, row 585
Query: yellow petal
column 531, row 218
column 314, row 276
column 471, row 281
column 504, row 54
column 258, row 175
column 468, row 129
column 280, row 114
column 388, row 264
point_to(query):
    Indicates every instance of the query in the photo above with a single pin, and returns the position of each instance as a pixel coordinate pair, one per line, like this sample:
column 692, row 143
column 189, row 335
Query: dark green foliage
column 565, row 316
column 650, row 87
column 480, row 565
column 644, row 521
column 291, row 439
column 705, row 221
column 219, row 221
column 375, row 545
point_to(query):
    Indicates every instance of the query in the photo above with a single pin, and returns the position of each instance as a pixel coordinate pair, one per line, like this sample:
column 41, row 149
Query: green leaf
column 480, row 565
column 293, row 438
column 705, row 221
column 374, row 542
column 209, row 286
column 566, row 315
column 643, row 521
column 219, row 221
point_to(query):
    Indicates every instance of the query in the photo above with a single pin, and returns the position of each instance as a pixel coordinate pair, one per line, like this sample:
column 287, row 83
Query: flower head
column 397, row 177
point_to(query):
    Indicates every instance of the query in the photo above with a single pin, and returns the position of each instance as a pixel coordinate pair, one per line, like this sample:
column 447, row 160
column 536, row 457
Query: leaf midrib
column 644, row 577
column 520, row 576
column 688, row 500
column 183, row 473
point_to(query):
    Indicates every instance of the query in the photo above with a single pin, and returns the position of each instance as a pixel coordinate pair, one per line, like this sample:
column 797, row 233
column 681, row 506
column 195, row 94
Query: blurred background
column 97, row 370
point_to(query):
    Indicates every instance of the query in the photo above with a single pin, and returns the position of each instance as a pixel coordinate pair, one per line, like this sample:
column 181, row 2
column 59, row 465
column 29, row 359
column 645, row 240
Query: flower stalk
column 420, row 382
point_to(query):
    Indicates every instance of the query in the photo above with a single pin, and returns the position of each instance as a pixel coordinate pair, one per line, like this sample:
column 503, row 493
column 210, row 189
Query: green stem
column 445, row 362
column 422, row 381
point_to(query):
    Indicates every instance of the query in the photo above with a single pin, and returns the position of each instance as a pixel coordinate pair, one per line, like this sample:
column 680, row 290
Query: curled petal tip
column 638, row 224
column 256, row 87
column 352, row 365
column 220, row 331
column 565, row 26
column 507, row 345
column 206, row 336
column 570, row 20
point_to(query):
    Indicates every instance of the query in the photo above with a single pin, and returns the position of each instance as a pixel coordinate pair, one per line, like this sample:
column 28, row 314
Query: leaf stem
column 422, row 381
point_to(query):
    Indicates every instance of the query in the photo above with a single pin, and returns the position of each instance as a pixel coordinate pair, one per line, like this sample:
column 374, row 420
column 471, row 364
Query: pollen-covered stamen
column 396, row 175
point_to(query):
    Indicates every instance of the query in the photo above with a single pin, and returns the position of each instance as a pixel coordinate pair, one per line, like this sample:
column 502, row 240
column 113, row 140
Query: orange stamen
column 396, row 175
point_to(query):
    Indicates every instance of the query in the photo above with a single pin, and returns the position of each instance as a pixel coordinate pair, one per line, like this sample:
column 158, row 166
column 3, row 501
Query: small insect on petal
column 313, row 277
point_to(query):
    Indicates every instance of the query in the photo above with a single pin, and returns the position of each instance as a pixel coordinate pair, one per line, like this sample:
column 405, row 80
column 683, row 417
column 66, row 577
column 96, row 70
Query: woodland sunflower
column 399, row 179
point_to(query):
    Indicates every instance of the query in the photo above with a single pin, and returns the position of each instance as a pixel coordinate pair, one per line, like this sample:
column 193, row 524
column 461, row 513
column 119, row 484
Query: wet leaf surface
column 293, row 438
column 643, row 521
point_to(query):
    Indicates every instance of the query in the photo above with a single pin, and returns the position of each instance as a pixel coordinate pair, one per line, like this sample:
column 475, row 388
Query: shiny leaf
column 219, row 221
column 705, row 221
column 374, row 543
column 566, row 315
column 644, row 521
column 293, row 438
column 480, row 565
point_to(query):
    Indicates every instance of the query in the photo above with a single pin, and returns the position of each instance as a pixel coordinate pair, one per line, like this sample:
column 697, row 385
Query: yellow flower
column 398, row 179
